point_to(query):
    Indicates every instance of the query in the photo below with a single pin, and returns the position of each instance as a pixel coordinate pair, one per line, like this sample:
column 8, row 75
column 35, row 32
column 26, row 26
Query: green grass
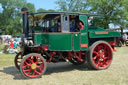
column 6, row 59
column 67, row 74
column 1, row 47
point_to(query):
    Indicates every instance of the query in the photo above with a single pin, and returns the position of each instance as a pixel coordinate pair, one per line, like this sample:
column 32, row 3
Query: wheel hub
column 101, row 59
column 33, row 66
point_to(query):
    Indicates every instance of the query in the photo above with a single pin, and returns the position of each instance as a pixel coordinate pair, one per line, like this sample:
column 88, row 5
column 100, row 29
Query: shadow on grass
column 51, row 68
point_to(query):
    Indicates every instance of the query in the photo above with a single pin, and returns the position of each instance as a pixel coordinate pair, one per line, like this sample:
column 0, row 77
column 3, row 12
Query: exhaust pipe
column 24, row 11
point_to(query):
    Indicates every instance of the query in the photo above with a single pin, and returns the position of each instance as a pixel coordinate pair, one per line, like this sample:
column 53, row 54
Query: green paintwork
column 38, row 29
column 84, row 35
column 60, row 42
column 110, row 34
column 94, row 28
column 92, row 33
column 76, row 41
column 40, row 38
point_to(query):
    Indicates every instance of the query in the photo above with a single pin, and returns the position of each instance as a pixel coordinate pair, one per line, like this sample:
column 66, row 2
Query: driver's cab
column 61, row 31
column 55, row 23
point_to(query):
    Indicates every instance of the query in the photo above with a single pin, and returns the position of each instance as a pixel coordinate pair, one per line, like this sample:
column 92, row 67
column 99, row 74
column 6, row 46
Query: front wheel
column 33, row 65
column 100, row 55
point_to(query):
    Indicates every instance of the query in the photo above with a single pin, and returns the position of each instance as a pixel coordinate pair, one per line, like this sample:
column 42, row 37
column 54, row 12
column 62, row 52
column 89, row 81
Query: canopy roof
column 42, row 14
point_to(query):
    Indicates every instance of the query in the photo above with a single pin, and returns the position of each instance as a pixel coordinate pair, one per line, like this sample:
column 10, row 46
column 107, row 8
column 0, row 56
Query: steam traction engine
column 56, row 36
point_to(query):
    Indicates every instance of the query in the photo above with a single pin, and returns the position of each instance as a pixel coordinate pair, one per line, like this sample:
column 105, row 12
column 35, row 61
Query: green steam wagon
column 63, row 36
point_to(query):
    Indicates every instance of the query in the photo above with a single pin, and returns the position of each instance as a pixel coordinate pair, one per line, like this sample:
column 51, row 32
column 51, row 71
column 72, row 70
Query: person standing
column 124, row 38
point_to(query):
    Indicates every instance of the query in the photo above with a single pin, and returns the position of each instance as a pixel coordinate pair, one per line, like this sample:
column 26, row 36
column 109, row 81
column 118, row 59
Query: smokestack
column 24, row 11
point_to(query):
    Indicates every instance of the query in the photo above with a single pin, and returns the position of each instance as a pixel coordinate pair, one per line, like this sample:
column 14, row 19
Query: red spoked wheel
column 18, row 59
column 100, row 55
column 33, row 66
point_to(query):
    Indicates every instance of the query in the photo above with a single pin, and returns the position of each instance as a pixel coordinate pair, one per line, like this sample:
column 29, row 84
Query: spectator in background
column 0, row 40
column 15, row 44
column 124, row 38
column 11, row 43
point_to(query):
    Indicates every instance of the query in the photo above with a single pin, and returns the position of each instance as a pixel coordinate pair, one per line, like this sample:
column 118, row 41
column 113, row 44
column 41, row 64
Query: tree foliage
column 112, row 11
column 10, row 16
column 44, row 10
column 41, row 10
column 71, row 5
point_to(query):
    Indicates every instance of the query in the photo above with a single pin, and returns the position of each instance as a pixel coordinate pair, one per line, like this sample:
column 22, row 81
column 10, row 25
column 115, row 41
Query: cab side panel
column 60, row 42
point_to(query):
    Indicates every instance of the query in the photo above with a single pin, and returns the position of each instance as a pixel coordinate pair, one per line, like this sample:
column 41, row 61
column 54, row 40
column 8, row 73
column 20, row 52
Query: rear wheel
column 100, row 55
column 33, row 65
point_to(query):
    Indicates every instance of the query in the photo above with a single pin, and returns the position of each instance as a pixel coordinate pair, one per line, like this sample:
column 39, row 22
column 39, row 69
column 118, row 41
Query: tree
column 10, row 16
column 112, row 11
column 122, row 17
column 72, row 5
column 30, row 6
column 41, row 10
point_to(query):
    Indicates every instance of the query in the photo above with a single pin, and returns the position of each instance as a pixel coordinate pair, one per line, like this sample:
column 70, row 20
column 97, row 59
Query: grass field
column 68, row 74
column 1, row 47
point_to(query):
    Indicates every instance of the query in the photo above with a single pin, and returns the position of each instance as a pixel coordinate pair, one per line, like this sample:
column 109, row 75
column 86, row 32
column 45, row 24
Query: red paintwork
column 52, row 53
column 45, row 47
column 102, row 56
column 33, row 73
column 112, row 43
column 84, row 45
column 113, row 48
column 49, row 60
column 101, row 32
column 70, row 55
column 75, row 55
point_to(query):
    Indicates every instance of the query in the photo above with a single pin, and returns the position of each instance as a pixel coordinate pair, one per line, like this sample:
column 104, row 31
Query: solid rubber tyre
column 28, row 61
column 99, row 55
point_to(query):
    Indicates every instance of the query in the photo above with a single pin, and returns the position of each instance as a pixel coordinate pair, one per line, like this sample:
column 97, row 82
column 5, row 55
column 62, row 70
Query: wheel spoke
column 95, row 52
column 39, row 67
column 37, row 60
column 33, row 66
column 37, row 72
column 33, row 73
column 27, row 70
column 27, row 63
column 107, row 58
column 18, row 61
column 99, row 63
column 101, row 55
column 95, row 57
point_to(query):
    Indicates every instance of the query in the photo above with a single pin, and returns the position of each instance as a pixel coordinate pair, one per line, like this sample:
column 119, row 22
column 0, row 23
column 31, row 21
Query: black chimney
column 24, row 11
